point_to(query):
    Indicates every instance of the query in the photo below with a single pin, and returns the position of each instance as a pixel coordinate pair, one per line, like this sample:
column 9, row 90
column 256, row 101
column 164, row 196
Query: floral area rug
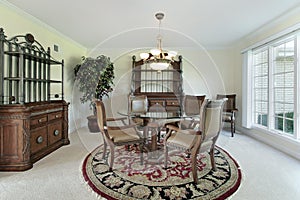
column 130, row 180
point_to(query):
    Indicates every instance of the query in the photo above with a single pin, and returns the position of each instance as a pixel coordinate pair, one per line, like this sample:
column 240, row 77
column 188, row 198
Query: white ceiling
column 126, row 23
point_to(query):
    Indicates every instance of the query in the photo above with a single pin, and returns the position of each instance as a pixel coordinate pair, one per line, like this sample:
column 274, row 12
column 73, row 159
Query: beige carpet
column 58, row 176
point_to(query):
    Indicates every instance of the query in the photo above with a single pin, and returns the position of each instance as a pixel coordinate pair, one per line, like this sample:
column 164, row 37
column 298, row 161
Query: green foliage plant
column 94, row 78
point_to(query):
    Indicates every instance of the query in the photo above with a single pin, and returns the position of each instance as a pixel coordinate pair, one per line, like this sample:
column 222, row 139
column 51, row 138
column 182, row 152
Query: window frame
column 248, row 120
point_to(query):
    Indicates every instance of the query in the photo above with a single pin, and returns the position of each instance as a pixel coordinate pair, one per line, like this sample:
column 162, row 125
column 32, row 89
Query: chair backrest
column 212, row 124
column 137, row 104
column 101, row 115
column 192, row 104
column 230, row 103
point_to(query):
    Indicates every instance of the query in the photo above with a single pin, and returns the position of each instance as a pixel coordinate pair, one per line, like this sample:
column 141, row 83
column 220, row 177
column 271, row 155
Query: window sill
column 276, row 134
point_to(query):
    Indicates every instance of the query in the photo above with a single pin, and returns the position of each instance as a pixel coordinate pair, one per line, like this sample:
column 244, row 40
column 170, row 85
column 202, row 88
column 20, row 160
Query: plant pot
column 92, row 124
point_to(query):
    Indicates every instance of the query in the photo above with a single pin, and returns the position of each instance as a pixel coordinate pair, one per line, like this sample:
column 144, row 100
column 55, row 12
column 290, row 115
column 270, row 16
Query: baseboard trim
column 281, row 143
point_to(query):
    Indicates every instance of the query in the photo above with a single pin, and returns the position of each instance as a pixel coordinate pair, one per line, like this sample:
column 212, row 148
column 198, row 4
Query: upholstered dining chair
column 192, row 105
column 193, row 141
column 117, row 135
column 230, row 110
column 137, row 105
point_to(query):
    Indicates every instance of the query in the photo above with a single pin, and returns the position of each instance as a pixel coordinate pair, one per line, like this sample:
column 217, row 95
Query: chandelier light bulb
column 155, row 52
column 172, row 54
column 144, row 56
column 159, row 66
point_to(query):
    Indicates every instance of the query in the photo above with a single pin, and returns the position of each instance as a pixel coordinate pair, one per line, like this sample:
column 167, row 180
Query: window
column 260, row 89
column 273, row 79
column 283, row 86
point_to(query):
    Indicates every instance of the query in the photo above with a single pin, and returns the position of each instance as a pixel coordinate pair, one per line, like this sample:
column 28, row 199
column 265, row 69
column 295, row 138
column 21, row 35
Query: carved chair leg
column 142, row 152
column 104, row 150
column 212, row 159
column 112, row 157
column 194, row 167
column 158, row 134
column 232, row 129
column 166, row 157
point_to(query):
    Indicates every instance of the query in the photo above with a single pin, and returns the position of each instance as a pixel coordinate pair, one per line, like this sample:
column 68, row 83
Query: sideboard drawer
column 156, row 102
column 55, row 115
column 40, row 119
column 172, row 103
column 38, row 139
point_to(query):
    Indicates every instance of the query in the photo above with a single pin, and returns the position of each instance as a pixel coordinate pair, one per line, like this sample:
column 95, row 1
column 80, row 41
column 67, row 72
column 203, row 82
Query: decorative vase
column 92, row 124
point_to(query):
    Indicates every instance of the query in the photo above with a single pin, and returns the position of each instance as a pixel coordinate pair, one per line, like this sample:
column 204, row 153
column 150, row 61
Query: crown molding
column 39, row 22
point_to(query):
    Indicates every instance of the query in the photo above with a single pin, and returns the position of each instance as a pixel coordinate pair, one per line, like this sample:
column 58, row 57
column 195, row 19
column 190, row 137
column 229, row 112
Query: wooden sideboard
column 30, row 132
column 33, row 112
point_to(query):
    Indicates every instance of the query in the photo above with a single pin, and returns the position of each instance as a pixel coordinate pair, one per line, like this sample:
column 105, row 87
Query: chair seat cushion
column 124, row 135
column 181, row 140
column 205, row 146
column 227, row 116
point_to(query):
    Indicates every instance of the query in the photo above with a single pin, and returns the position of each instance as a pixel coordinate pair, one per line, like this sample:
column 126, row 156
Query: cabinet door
column 54, row 132
column 10, row 135
column 38, row 139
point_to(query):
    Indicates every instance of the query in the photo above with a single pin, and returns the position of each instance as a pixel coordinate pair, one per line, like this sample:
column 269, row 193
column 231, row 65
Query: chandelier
column 157, row 58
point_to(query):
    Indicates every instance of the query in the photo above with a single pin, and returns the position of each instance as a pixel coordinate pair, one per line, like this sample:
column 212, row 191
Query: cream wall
column 204, row 72
column 16, row 22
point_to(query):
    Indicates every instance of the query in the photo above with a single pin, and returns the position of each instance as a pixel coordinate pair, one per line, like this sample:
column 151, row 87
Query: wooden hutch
column 33, row 113
column 162, row 88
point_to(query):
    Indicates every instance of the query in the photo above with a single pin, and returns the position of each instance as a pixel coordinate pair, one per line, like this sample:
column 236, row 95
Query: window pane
column 260, row 92
column 289, row 80
column 283, row 75
column 278, row 123
column 289, row 126
column 279, row 108
column 261, row 119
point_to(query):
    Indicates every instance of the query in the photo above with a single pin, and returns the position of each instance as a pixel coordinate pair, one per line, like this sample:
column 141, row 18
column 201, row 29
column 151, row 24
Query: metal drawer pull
column 40, row 120
column 56, row 132
column 56, row 116
column 39, row 139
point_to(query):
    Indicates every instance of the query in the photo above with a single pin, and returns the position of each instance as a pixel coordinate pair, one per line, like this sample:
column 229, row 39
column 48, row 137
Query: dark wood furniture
column 230, row 110
column 33, row 113
column 192, row 104
column 162, row 88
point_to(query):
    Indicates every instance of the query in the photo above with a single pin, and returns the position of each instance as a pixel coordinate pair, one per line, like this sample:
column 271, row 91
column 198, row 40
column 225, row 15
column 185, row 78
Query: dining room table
column 153, row 123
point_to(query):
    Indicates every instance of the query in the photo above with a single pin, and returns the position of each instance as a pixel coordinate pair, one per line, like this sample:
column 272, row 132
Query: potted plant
column 94, row 78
